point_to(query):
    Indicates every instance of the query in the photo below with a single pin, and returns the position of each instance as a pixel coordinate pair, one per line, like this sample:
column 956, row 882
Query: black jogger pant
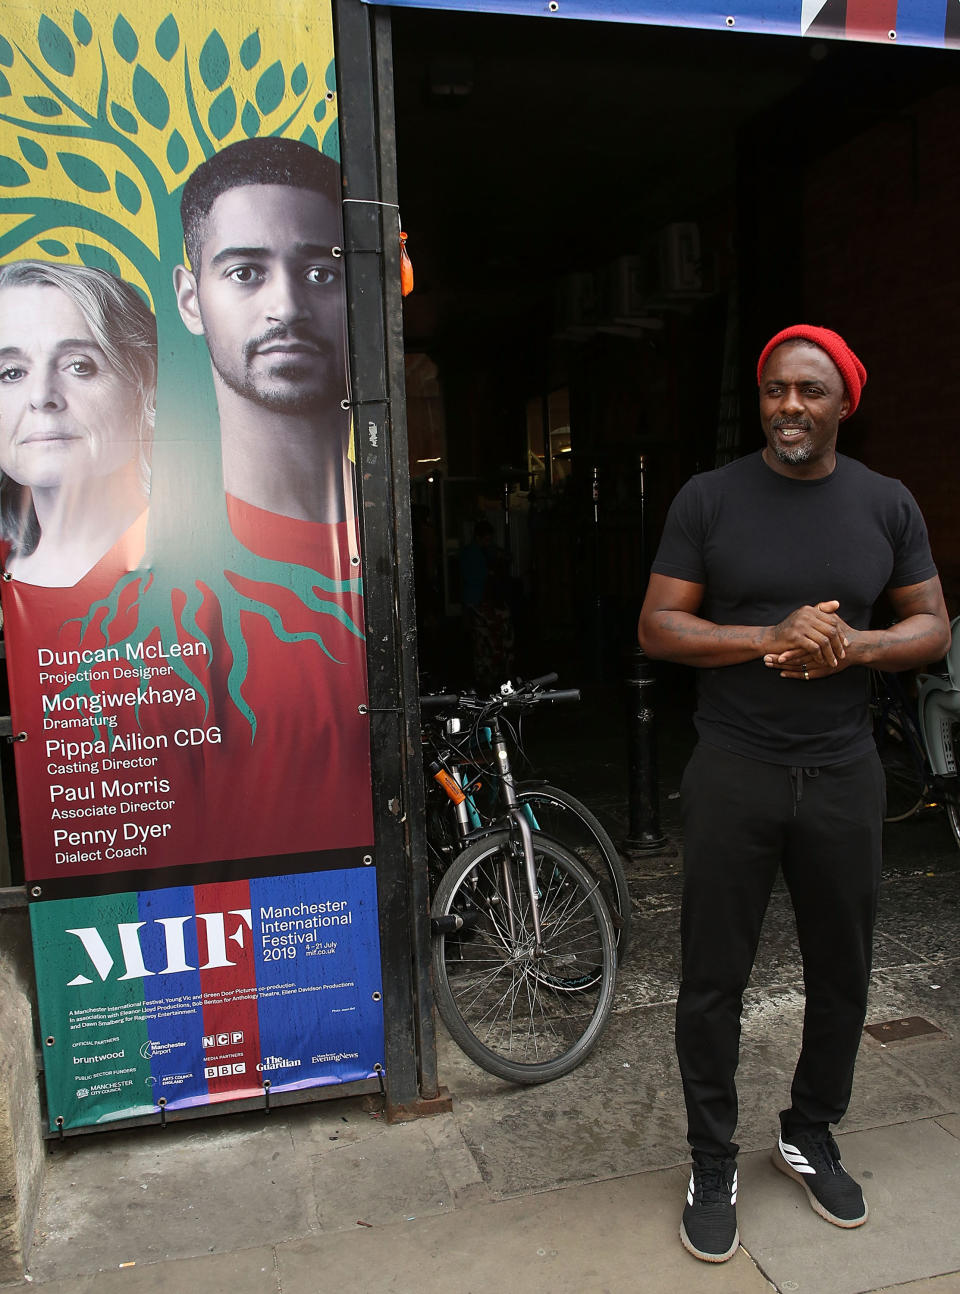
column 743, row 820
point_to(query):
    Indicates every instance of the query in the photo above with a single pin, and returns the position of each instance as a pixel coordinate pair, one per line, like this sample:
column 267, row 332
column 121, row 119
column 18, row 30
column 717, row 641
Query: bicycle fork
column 526, row 838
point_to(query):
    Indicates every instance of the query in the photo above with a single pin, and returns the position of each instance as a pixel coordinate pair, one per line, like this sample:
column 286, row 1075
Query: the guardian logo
column 174, row 953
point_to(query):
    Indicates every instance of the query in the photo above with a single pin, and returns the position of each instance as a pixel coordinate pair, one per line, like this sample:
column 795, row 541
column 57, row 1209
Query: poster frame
column 364, row 69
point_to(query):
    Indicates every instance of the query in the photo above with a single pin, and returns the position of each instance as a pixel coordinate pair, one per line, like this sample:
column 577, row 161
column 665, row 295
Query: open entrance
column 607, row 223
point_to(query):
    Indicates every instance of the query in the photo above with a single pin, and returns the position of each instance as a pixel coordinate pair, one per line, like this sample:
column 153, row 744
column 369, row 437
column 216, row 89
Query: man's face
column 65, row 414
column 268, row 297
column 802, row 399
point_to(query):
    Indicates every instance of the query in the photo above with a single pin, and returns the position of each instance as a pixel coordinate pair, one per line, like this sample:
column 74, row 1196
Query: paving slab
column 949, row 1284
column 911, row 1179
column 249, row 1271
column 380, row 1180
column 184, row 1191
column 590, row 1239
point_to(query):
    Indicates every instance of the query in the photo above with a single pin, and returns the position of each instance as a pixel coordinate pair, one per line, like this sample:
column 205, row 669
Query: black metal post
column 645, row 836
column 372, row 260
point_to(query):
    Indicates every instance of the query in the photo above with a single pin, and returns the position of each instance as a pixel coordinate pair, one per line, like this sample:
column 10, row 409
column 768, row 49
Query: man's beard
column 795, row 454
column 294, row 392
column 799, row 454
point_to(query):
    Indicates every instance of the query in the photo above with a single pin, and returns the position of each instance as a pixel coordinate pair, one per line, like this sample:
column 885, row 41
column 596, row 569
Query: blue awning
column 904, row 22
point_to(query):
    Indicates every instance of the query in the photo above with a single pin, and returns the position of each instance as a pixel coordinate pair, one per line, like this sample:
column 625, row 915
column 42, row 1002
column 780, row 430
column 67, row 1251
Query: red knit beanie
column 851, row 370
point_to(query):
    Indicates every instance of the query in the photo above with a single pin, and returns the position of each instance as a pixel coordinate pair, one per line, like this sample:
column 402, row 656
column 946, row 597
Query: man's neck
column 289, row 464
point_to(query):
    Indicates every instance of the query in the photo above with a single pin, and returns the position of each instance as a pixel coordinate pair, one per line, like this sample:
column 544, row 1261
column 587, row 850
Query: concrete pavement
column 574, row 1187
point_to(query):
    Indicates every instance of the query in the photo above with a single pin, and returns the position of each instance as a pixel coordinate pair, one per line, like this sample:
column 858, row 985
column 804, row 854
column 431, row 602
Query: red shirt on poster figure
column 173, row 782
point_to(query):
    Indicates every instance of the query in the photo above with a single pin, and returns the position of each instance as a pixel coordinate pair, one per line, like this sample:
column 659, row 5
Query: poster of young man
column 182, row 585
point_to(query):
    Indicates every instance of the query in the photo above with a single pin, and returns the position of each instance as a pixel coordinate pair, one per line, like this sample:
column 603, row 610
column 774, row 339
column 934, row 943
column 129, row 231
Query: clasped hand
column 810, row 643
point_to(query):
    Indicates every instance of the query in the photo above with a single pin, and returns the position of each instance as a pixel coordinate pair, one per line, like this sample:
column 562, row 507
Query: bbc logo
column 224, row 1071
column 211, row 1040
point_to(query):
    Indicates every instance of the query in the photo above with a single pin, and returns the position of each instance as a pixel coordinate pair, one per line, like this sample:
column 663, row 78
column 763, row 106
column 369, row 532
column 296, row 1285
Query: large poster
column 182, row 589
column 198, row 994
column 906, row 22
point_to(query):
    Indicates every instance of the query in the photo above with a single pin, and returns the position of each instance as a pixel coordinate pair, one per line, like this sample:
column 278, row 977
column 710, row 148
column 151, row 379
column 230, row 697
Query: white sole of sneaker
column 778, row 1161
column 691, row 1248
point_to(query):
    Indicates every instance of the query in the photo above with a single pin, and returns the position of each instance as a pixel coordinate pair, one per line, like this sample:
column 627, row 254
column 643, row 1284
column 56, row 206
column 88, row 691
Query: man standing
column 766, row 576
column 261, row 223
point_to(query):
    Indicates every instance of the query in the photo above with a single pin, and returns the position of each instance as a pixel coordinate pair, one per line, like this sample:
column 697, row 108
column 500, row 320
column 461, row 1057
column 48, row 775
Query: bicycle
column 474, row 770
column 524, row 959
column 524, row 948
column 917, row 740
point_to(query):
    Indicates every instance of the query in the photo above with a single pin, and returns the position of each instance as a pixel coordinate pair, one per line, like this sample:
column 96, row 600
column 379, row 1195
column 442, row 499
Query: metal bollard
column 645, row 836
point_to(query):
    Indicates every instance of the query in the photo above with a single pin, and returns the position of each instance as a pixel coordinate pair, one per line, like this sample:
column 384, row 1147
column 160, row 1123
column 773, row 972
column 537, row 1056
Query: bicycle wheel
column 947, row 738
column 524, row 1014
column 558, row 814
column 903, row 765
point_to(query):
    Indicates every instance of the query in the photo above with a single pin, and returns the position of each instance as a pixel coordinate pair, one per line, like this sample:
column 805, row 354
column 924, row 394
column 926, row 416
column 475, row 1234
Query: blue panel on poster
column 318, row 976
column 919, row 22
column 922, row 22
column 771, row 16
column 172, row 996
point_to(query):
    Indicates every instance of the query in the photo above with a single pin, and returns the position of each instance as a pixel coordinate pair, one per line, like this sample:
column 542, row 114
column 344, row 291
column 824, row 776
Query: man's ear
column 185, row 286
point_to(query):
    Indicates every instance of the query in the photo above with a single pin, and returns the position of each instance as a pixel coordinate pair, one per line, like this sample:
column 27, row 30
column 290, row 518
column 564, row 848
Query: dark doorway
column 607, row 222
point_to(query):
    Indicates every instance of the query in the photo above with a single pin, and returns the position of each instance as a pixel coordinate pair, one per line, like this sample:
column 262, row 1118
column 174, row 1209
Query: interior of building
column 607, row 221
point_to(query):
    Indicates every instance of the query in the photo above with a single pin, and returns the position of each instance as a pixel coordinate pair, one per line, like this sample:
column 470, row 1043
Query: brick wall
column 881, row 267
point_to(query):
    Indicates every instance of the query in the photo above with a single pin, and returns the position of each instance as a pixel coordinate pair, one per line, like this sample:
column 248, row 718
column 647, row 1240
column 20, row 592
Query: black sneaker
column 709, row 1226
column 813, row 1160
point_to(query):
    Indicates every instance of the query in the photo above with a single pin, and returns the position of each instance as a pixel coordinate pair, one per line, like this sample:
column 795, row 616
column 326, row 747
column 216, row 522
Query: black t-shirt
column 764, row 544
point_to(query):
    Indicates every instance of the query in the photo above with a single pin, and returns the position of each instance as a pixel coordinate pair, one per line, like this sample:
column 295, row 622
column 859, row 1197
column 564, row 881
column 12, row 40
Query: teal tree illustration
column 101, row 127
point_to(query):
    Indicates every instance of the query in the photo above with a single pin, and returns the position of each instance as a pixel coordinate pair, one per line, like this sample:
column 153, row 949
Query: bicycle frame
column 939, row 708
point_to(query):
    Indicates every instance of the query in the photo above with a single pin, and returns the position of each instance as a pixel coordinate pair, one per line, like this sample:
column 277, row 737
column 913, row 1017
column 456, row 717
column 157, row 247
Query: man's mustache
column 801, row 424
column 302, row 336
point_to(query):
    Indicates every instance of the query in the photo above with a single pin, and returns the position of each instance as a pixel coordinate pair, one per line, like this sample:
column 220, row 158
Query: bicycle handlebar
column 538, row 682
column 439, row 700
column 527, row 693
column 562, row 694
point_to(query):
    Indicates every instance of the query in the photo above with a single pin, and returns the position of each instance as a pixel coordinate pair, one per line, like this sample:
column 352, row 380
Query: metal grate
column 911, row 1026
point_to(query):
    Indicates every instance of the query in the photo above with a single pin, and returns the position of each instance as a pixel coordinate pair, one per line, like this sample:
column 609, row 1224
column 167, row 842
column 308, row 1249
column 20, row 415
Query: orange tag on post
column 406, row 267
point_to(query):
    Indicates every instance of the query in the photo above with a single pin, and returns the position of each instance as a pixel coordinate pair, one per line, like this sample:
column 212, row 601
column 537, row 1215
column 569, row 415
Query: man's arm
column 671, row 629
column 921, row 635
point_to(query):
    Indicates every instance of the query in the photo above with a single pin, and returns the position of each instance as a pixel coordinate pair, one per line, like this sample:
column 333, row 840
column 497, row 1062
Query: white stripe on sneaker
column 733, row 1189
column 795, row 1159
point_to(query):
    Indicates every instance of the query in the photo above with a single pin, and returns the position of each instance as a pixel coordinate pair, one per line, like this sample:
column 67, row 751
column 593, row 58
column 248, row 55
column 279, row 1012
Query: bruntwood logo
column 95, row 1060
column 215, row 927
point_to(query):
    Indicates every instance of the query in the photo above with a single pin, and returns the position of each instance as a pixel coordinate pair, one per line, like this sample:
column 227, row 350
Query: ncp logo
column 212, row 1040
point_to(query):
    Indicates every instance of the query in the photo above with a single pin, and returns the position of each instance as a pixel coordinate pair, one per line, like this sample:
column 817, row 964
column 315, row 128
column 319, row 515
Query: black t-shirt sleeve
column 680, row 554
column 913, row 562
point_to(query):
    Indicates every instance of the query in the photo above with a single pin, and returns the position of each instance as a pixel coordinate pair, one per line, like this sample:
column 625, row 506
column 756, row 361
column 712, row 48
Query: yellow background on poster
column 104, row 112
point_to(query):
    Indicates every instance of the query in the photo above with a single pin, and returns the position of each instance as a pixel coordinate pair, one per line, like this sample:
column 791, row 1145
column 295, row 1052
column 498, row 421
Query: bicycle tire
column 948, row 738
column 561, row 815
column 523, row 1017
column 903, row 767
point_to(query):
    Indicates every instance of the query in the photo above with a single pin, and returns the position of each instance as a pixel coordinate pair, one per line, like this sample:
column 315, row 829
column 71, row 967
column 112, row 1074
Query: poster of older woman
column 78, row 374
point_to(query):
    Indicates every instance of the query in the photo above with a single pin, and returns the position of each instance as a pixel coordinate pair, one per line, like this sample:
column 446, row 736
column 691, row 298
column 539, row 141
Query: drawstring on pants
column 796, row 784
